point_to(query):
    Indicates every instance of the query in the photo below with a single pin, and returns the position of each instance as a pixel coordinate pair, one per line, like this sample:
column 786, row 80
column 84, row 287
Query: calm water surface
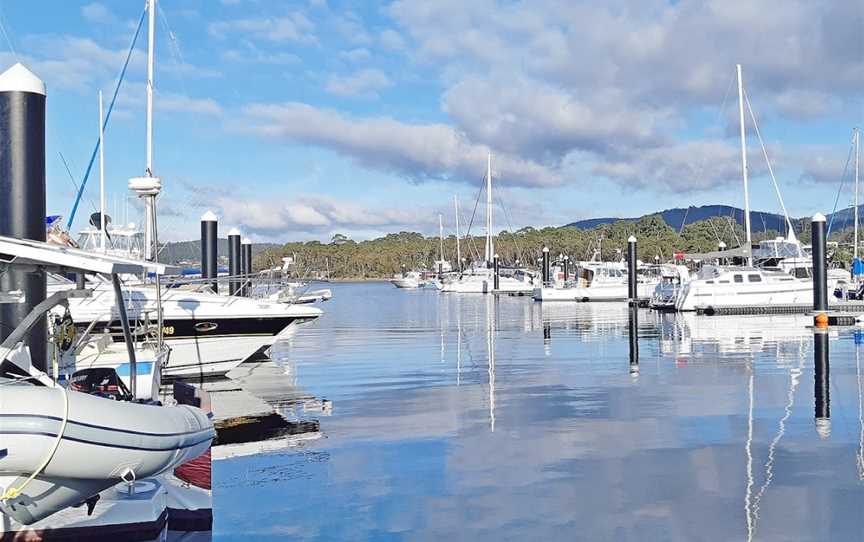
column 474, row 418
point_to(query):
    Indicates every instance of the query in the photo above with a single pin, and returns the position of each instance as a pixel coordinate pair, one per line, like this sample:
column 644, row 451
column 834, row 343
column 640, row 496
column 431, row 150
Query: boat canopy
column 60, row 259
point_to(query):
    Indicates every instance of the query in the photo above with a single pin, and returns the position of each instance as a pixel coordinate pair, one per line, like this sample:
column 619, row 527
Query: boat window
column 722, row 282
column 754, row 278
column 709, row 282
column 739, row 278
column 802, row 273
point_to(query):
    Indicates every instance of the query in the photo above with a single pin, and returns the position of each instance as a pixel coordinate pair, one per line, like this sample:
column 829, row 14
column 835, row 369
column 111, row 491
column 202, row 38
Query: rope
column 13, row 492
column 107, row 116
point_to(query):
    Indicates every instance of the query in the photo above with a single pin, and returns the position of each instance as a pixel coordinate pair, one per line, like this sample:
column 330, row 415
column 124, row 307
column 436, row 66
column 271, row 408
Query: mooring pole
column 209, row 237
column 821, row 372
column 234, row 261
column 721, row 246
column 246, row 266
column 634, row 338
column 22, row 196
column 632, row 294
column 545, row 270
column 566, row 272
column 495, row 281
column 820, row 267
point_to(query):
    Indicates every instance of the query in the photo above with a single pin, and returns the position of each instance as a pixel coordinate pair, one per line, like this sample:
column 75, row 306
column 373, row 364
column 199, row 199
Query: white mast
column 440, row 238
column 857, row 137
column 102, row 225
column 490, row 250
column 458, row 247
column 150, row 202
column 744, row 166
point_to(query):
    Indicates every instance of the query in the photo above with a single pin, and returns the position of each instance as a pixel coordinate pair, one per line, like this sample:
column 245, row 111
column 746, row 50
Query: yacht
column 209, row 334
column 600, row 281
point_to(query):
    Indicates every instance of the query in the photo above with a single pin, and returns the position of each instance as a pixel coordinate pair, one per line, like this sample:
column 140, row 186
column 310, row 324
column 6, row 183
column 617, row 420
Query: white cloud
column 291, row 28
column 357, row 55
column 366, row 82
column 392, row 39
column 99, row 14
column 417, row 151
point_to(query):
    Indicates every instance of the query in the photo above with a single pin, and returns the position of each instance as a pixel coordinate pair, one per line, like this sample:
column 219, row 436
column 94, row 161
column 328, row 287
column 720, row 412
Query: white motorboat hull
column 604, row 292
column 485, row 284
column 102, row 440
column 408, row 283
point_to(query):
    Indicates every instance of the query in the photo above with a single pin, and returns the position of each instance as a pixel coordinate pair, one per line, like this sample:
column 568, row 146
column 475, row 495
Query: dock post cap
column 545, row 249
column 818, row 217
column 566, row 257
column 19, row 78
column 234, row 232
column 721, row 244
column 631, row 239
column 495, row 256
column 246, row 241
column 209, row 216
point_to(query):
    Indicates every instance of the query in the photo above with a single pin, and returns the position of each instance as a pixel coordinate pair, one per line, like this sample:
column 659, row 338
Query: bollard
column 631, row 270
column 820, row 265
column 234, row 262
column 566, row 272
column 209, row 238
column 634, row 339
column 495, row 281
column 246, row 265
column 22, row 196
column 545, row 270
column 821, row 377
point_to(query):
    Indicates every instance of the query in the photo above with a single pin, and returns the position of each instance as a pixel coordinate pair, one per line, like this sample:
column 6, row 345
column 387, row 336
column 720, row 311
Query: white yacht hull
column 604, row 292
column 406, row 283
column 694, row 297
column 484, row 285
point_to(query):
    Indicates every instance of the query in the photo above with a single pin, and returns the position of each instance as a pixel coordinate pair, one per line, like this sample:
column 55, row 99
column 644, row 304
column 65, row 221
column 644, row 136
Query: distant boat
column 480, row 277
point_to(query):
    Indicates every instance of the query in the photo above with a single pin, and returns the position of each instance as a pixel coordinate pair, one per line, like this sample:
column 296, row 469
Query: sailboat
column 209, row 334
column 717, row 286
column 480, row 277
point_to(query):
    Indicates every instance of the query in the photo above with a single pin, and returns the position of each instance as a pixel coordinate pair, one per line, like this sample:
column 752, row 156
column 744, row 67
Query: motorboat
column 600, row 281
column 209, row 334
column 672, row 279
column 408, row 279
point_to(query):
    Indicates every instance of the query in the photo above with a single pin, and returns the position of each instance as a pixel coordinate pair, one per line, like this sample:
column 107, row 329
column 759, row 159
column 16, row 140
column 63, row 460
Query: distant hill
column 678, row 217
column 190, row 251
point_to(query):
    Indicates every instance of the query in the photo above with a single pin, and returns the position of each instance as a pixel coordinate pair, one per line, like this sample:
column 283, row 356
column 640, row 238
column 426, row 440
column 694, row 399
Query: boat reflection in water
column 529, row 424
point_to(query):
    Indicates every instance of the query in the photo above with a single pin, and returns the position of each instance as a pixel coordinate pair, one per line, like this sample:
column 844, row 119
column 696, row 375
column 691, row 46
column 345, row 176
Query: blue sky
column 298, row 120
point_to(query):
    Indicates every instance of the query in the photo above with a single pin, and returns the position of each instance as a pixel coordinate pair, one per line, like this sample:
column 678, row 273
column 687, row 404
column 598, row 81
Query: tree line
column 343, row 258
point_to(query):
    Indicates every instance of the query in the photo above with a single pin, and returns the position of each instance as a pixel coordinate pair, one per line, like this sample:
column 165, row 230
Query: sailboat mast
column 490, row 250
column 102, row 225
column 744, row 166
column 150, row 250
column 440, row 238
column 857, row 138
column 458, row 247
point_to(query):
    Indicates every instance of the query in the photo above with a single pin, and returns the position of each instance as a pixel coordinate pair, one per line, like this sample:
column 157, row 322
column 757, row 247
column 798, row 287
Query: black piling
column 246, row 265
column 495, row 280
column 545, row 265
column 820, row 264
column 631, row 270
column 634, row 338
column 234, row 262
column 566, row 265
column 821, row 372
column 22, row 195
column 721, row 246
column 209, row 249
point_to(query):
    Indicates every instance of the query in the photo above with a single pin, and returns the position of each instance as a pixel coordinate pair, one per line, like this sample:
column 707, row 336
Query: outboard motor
column 100, row 381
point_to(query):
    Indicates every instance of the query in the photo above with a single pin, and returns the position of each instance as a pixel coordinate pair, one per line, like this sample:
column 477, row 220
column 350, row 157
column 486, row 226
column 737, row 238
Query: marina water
column 471, row 417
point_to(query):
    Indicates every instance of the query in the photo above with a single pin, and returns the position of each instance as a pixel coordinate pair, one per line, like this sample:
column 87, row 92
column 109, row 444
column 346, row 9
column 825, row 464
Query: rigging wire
column 839, row 190
column 6, row 35
column 107, row 117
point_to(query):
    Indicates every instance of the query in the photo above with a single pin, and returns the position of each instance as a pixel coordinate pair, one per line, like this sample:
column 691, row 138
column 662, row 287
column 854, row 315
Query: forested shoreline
column 344, row 258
